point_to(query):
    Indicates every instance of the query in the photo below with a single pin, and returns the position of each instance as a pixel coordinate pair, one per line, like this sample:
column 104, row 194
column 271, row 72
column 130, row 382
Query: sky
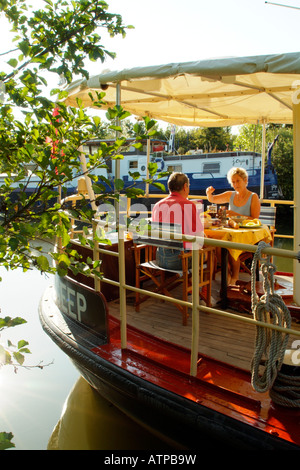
column 168, row 31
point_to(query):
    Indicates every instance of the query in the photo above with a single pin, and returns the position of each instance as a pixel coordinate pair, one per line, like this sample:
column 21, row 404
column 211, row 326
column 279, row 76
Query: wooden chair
column 267, row 217
column 165, row 280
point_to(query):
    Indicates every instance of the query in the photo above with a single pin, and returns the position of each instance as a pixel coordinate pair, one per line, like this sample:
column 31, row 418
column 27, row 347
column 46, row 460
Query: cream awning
column 208, row 93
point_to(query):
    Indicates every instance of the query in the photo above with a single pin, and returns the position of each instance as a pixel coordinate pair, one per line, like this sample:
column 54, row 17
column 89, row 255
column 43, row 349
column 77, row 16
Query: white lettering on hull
column 72, row 303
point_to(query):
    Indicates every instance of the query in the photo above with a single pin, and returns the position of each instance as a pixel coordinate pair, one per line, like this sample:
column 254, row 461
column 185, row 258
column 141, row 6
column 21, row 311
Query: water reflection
column 89, row 422
column 283, row 264
column 31, row 400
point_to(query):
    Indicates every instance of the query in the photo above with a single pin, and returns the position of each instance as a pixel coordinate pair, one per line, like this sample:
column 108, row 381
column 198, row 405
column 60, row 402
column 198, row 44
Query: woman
column 241, row 202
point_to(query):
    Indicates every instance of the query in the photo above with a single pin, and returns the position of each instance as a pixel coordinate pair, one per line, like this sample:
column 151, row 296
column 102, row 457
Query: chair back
column 150, row 237
column 268, row 216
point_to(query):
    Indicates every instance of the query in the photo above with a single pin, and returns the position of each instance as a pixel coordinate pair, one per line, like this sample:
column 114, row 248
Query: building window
column 211, row 168
column 133, row 164
column 177, row 168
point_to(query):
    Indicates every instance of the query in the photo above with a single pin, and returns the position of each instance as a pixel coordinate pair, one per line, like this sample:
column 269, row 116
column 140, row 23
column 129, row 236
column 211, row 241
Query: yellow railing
column 270, row 202
column 194, row 305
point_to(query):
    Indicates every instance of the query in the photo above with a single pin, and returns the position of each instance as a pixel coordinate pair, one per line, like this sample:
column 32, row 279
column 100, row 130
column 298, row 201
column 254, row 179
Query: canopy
column 211, row 93
column 206, row 93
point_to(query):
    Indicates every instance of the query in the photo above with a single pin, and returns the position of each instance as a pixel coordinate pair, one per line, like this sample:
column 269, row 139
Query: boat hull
column 179, row 421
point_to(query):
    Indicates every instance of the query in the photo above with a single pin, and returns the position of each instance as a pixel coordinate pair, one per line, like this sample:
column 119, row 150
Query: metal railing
column 194, row 305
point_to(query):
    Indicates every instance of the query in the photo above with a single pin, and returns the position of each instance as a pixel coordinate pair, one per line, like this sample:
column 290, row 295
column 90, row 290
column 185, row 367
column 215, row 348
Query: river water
column 54, row 408
column 31, row 400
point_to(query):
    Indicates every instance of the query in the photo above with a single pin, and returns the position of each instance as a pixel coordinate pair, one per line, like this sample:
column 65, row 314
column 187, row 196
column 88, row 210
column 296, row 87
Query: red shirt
column 176, row 209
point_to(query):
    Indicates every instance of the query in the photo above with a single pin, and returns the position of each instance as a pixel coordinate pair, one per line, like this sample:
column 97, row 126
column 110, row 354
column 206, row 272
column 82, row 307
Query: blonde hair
column 237, row 171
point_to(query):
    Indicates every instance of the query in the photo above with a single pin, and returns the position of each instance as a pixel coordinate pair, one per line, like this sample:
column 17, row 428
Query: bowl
column 239, row 219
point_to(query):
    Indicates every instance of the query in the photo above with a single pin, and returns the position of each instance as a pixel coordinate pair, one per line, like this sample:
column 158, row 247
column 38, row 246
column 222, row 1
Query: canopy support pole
column 117, row 161
column 296, row 125
column 148, row 161
column 263, row 157
column 118, row 103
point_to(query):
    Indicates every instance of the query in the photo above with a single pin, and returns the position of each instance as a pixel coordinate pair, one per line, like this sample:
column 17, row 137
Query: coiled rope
column 286, row 390
column 270, row 345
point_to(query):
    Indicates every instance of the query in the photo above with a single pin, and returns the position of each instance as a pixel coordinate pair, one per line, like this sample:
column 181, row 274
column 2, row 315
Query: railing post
column 195, row 311
column 122, row 281
column 96, row 256
column 296, row 127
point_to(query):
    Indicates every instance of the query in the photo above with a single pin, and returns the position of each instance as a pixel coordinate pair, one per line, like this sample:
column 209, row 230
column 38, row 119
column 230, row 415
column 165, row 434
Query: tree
column 51, row 42
column 38, row 131
column 55, row 40
column 206, row 139
column 250, row 138
column 282, row 159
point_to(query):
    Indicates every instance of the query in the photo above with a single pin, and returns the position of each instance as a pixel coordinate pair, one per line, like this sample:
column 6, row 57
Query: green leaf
column 152, row 167
column 13, row 63
column 13, row 243
column 96, row 120
column 116, row 128
column 9, row 322
column 119, row 184
column 5, row 440
column 5, row 357
column 159, row 186
column 22, row 343
column 43, row 263
column 19, row 357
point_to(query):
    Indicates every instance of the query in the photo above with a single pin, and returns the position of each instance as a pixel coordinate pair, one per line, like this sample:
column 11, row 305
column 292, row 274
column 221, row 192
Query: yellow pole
column 195, row 312
column 263, row 156
column 296, row 123
column 148, row 161
column 122, row 281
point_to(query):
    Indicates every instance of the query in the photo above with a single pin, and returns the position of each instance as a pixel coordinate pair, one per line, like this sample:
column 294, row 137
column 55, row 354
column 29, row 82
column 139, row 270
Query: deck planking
column 221, row 338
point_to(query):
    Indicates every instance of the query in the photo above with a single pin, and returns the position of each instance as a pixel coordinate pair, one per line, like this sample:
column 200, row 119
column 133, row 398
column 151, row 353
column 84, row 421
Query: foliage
column 5, row 440
column 283, row 160
column 250, row 137
column 211, row 139
column 39, row 134
column 47, row 138
column 13, row 352
column 13, row 355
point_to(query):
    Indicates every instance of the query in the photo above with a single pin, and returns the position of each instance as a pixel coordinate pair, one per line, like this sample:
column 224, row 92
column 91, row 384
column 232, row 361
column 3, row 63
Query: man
column 176, row 209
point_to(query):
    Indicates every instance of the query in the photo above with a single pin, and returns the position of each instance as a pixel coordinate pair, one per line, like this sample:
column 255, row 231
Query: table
column 240, row 235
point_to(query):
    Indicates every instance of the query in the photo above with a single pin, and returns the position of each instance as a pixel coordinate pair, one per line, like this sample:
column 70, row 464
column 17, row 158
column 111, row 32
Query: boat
column 150, row 379
column 202, row 169
column 191, row 385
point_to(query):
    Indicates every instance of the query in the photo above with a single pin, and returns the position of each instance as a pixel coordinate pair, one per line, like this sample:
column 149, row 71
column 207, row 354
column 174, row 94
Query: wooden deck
column 222, row 338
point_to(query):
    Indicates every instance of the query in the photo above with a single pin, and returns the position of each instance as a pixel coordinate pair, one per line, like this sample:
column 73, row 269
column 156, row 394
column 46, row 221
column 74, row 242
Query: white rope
column 286, row 390
column 270, row 345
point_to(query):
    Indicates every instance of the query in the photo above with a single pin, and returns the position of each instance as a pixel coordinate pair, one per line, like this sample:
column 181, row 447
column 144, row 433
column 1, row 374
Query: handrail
column 196, row 307
column 272, row 202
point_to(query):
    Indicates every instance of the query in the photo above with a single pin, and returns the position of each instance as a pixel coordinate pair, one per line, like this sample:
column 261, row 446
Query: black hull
column 180, row 422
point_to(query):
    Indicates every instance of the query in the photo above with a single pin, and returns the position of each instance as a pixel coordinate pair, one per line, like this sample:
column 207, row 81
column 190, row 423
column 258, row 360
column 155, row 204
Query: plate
column 250, row 226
